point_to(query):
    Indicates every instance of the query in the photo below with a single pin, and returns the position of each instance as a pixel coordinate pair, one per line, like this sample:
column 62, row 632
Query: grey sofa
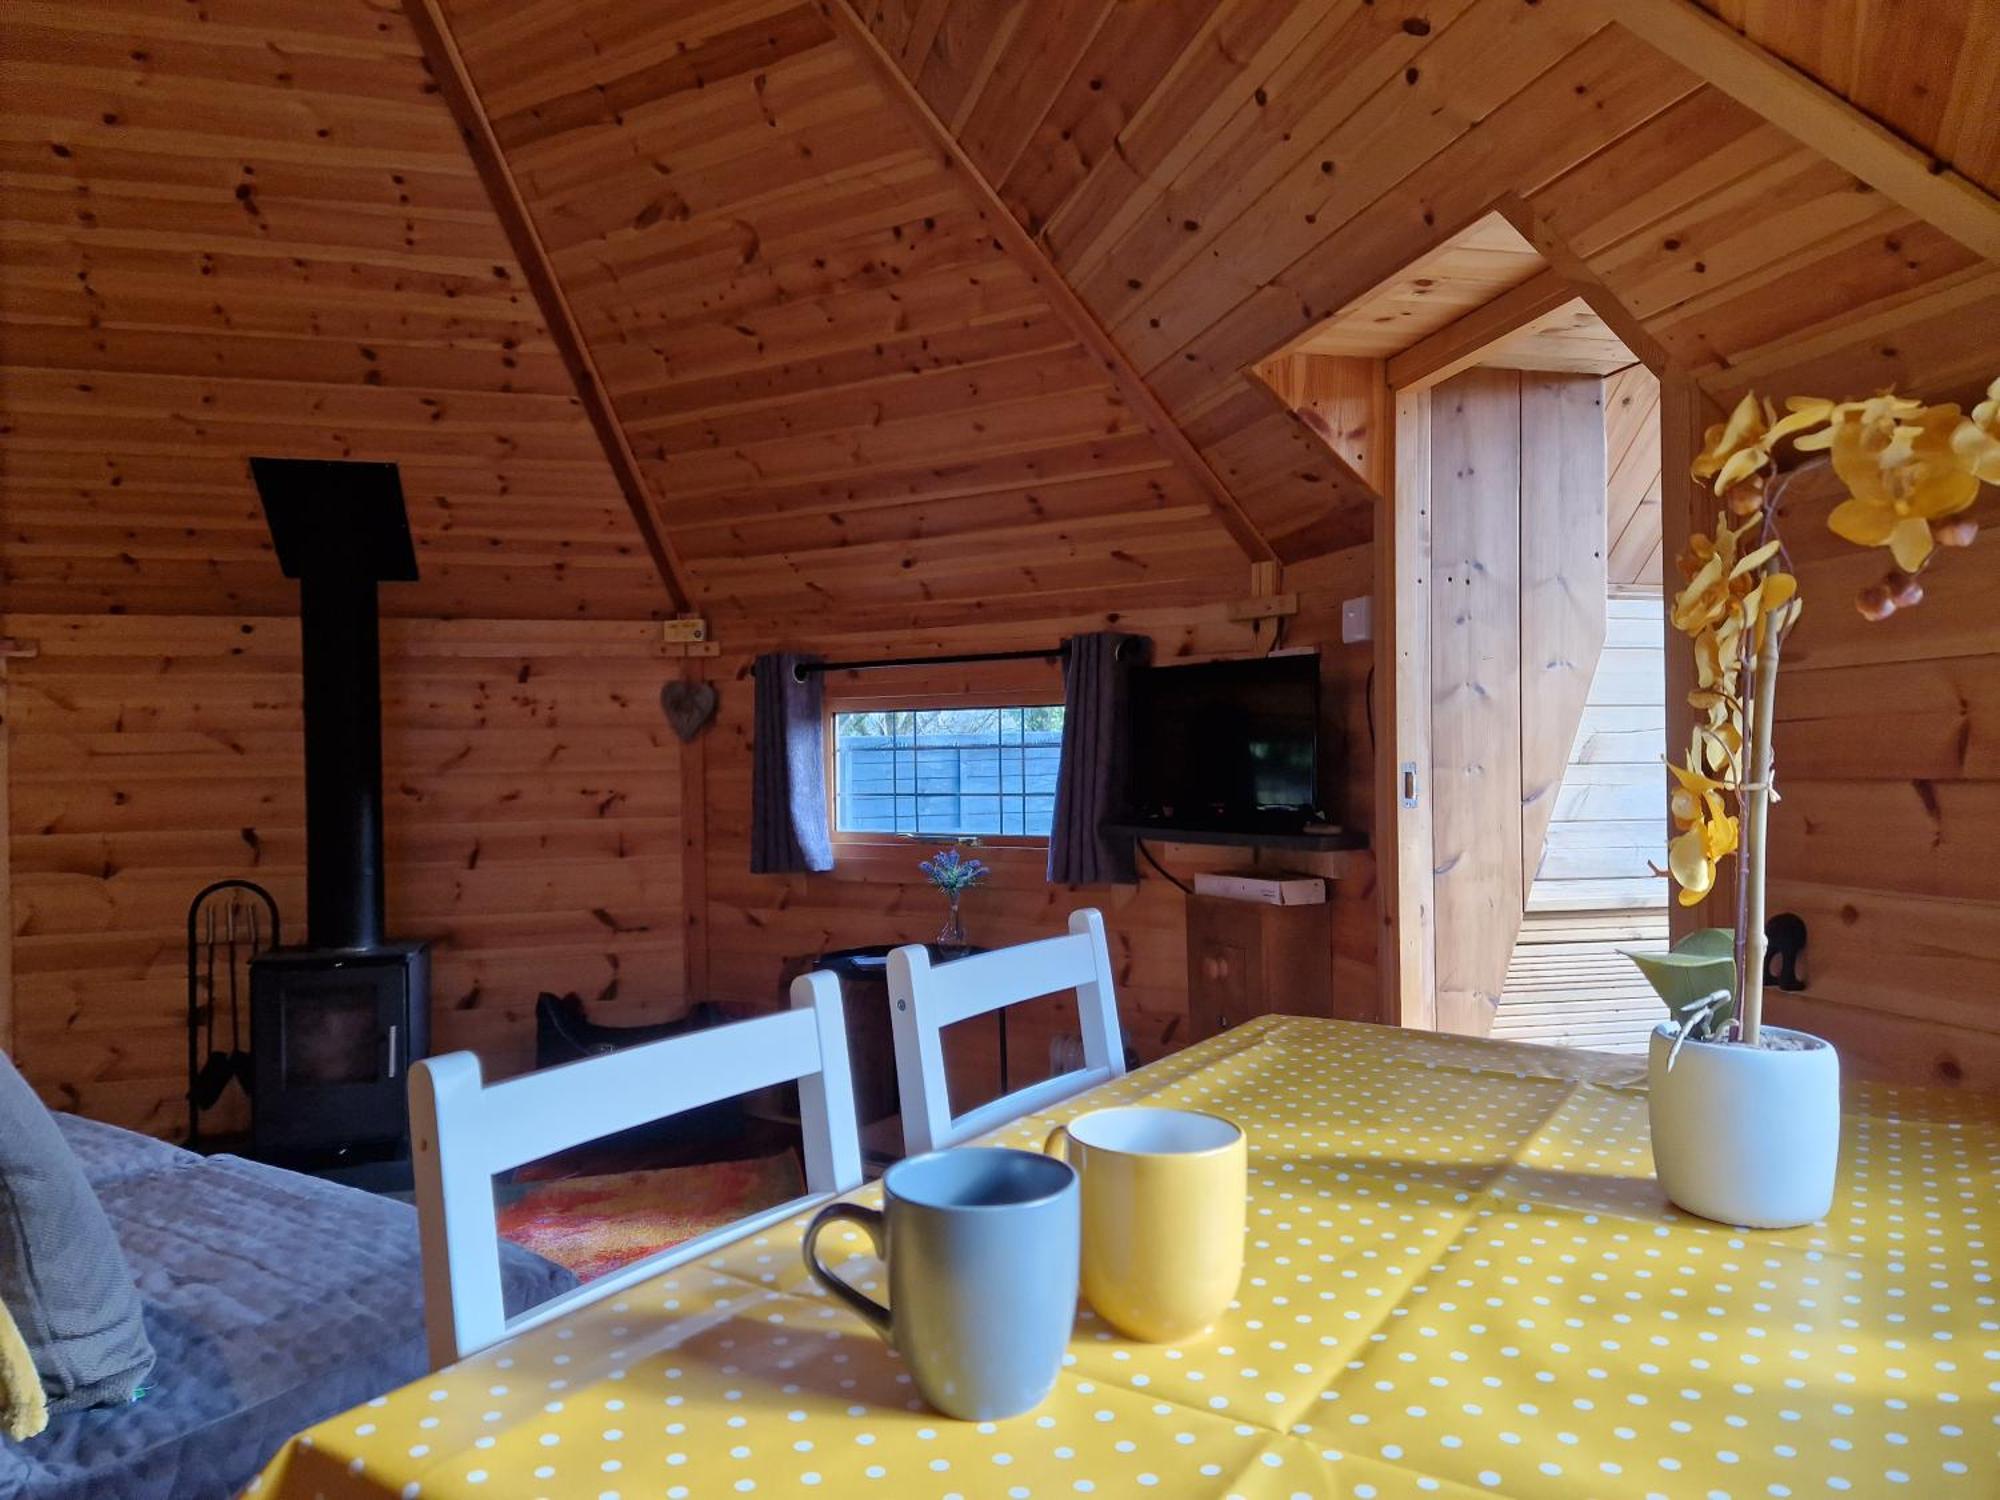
column 273, row 1300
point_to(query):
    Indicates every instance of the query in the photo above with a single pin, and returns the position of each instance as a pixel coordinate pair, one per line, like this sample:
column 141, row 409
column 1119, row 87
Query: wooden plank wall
column 1346, row 400
column 1632, row 488
column 533, row 802
column 754, row 922
column 1888, row 764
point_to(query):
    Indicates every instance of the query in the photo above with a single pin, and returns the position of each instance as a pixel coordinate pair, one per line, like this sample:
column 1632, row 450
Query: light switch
column 1357, row 619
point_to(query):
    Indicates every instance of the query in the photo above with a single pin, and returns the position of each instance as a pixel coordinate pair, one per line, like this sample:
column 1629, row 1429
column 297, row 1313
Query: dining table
column 1461, row 1279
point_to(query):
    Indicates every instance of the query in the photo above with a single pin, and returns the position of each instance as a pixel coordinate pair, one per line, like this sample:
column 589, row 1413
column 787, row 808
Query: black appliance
column 1228, row 745
column 336, row 1022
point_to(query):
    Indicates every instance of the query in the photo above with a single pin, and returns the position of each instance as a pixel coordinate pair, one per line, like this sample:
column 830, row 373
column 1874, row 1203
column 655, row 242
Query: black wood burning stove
column 336, row 1023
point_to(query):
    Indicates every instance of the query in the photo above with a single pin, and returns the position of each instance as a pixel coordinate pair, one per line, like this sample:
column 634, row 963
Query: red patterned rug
column 597, row 1223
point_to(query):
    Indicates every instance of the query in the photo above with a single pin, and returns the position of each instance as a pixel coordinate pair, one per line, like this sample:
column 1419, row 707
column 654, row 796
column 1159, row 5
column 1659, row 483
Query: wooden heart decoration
column 688, row 706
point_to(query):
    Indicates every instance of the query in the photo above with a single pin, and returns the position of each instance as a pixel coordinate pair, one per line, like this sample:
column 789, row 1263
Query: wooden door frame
column 1404, row 852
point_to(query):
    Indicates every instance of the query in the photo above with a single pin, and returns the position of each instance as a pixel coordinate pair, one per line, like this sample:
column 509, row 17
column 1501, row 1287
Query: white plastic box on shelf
column 1271, row 890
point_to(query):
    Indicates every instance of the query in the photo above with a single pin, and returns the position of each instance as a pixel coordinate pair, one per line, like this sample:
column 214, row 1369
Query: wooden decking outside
column 1568, row 985
column 1595, row 890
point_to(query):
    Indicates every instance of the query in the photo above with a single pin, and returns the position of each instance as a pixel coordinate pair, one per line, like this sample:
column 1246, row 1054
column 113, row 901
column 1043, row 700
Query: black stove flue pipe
column 341, row 652
column 340, row 528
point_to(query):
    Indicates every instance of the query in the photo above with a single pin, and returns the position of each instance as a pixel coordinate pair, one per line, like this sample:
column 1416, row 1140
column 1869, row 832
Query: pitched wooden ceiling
column 904, row 310
column 1216, row 179
column 230, row 230
column 844, row 388
column 1483, row 260
column 1925, row 71
column 1485, row 293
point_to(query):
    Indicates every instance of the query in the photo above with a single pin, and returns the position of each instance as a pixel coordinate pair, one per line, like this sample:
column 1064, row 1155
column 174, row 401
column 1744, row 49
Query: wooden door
column 1516, row 617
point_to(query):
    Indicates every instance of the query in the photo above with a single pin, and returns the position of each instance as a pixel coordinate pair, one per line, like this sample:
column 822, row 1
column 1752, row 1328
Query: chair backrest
column 924, row 998
column 464, row 1131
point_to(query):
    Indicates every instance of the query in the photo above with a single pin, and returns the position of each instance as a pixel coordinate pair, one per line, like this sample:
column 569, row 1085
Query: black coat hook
column 1784, row 951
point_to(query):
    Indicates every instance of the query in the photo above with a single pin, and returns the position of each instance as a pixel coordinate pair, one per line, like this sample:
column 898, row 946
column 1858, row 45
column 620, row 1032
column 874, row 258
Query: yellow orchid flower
column 1704, row 601
column 1976, row 440
column 1725, row 440
column 1803, row 413
column 1716, row 577
column 1900, row 476
column 1708, row 834
column 1876, row 414
column 1718, row 651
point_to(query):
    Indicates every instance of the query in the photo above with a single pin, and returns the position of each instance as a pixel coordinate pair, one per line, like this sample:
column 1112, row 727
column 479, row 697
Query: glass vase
column 951, row 936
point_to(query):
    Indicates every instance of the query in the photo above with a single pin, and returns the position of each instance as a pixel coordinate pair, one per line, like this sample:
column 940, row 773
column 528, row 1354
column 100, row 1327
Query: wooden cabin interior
column 912, row 340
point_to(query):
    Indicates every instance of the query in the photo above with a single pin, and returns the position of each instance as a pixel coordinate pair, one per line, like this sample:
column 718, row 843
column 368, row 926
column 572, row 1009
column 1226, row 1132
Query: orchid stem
column 1758, row 819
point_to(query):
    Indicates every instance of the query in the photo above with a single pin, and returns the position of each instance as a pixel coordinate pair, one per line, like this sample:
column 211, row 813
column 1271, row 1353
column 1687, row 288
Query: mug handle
column 869, row 1222
column 1057, row 1145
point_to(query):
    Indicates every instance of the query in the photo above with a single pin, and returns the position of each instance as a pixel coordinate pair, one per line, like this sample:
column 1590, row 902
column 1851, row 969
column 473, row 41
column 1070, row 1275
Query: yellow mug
column 1163, row 1216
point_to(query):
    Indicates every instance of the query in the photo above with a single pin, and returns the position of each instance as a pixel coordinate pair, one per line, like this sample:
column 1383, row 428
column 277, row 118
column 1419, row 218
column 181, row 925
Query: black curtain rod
column 819, row 668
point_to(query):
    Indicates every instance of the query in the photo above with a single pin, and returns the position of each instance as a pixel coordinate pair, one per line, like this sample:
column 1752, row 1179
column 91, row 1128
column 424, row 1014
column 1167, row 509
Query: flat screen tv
column 1230, row 745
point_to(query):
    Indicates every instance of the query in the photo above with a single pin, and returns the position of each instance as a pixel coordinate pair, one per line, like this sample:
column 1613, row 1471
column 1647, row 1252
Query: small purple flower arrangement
column 953, row 874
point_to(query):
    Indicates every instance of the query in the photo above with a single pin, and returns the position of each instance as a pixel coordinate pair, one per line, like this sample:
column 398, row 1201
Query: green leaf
column 1699, row 964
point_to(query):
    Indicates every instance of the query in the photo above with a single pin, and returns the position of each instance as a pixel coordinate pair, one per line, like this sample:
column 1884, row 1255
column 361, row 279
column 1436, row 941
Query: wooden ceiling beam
column 1584, row 282
column 1460, row 345
column 1021, row 247
column 454, row 82
column 1813, row 114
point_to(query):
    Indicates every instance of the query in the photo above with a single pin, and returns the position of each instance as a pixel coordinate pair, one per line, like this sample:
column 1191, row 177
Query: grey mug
column 982, row 1246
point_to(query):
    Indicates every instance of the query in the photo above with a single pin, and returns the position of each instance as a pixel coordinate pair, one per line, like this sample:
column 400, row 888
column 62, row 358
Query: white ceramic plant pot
column 1746, row 1135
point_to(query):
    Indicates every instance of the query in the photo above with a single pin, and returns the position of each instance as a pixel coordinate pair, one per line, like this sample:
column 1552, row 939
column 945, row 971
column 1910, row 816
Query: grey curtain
column 1090, row 786
column 788, row 826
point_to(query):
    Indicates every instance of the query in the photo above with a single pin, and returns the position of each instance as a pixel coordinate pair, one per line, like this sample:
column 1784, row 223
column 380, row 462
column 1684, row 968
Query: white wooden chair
column 464, row 1131
column 924, row 998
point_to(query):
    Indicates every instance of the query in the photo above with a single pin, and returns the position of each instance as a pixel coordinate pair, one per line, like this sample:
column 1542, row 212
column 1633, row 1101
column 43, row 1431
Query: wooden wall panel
column 260, row 233
column 1633, row 558
column 1346, row 400
column 1882, row 835
column 874, row 895
column 533, row 807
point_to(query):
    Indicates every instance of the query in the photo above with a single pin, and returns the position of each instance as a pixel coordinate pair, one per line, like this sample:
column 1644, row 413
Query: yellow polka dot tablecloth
column 1461, row 1280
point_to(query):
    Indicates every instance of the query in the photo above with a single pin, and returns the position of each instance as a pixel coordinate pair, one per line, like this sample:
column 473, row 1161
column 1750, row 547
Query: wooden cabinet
column 1247, row 959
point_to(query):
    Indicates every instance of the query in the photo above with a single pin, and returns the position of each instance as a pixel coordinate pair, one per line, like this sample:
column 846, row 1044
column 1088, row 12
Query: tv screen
column 1231, row 744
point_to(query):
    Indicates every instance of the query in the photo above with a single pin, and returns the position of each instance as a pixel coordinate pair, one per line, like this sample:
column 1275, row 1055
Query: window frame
column 879, row 702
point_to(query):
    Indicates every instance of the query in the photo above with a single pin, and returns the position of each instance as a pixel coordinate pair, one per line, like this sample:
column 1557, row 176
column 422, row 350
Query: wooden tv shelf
column 1313, row 843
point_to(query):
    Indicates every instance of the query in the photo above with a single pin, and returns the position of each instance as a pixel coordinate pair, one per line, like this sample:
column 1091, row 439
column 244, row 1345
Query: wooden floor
column 1569, row 986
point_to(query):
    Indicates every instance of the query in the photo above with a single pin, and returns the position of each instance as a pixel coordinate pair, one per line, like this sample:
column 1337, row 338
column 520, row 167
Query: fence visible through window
column 947, row 771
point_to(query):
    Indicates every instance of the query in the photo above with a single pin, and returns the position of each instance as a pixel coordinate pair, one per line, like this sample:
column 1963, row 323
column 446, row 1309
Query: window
column 947, row 771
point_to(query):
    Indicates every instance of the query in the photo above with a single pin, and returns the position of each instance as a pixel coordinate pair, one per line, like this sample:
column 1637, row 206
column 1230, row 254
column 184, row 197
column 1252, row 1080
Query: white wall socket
column 1357, row 619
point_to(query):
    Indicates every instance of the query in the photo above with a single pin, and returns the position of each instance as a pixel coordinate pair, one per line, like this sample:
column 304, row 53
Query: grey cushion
column 62, row 1274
